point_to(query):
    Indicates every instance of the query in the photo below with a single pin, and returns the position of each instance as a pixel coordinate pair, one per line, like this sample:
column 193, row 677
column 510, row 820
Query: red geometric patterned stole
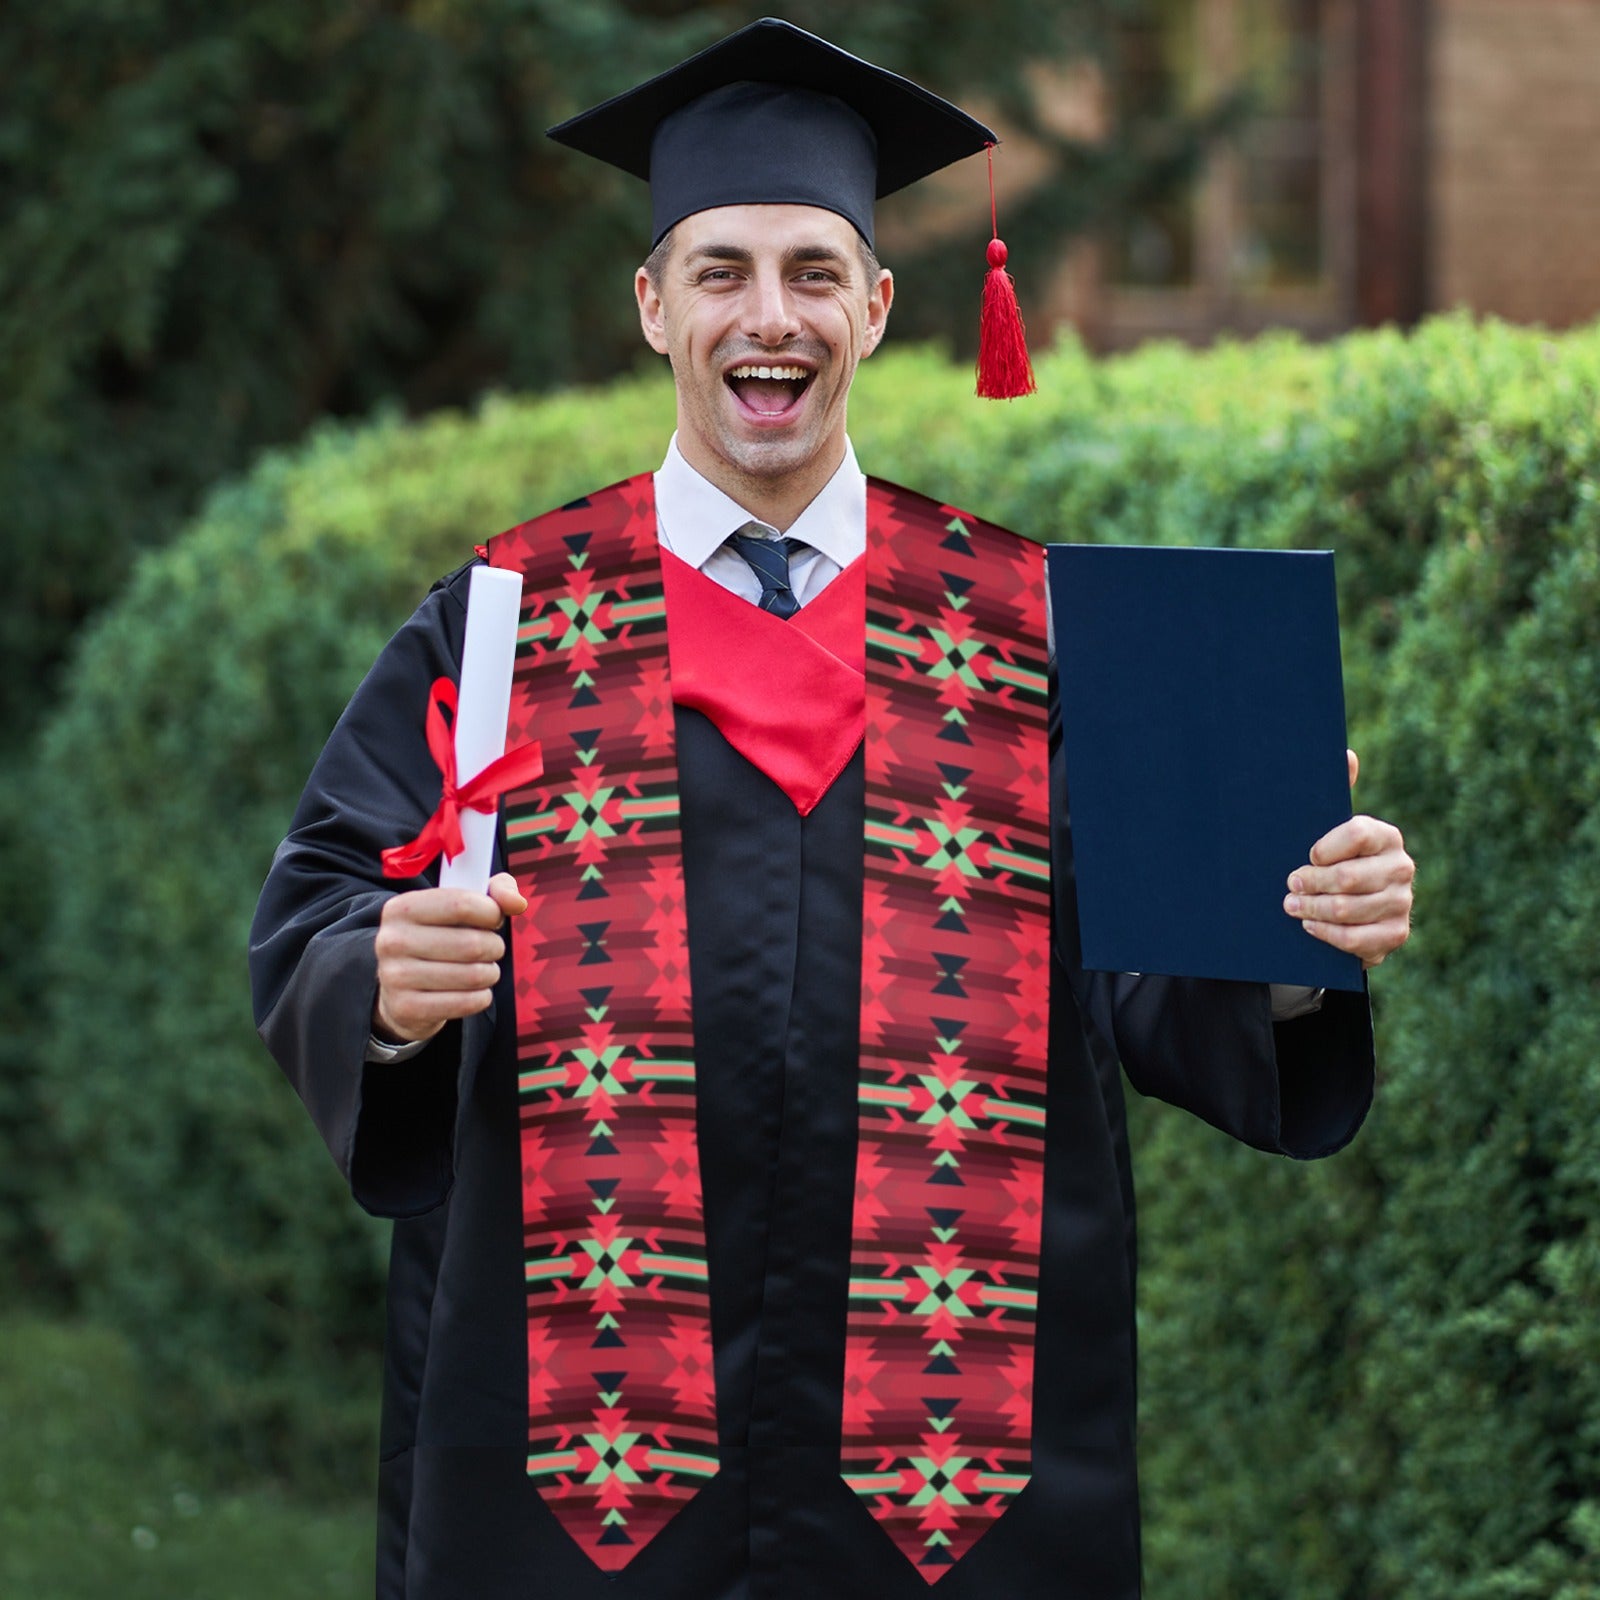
column 954, row 1027
column 937, row 1409
column 621, row 1405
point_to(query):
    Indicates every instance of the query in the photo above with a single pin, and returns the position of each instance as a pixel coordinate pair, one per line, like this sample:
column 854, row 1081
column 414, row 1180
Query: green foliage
column 1497, row 1032
column 1387, row 1387
column 1371, row 1379
column 96, row 1500
column 25, row 1147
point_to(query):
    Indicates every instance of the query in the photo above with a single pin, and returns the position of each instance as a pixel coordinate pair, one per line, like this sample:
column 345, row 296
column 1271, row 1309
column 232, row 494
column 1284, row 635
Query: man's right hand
column 438, row 957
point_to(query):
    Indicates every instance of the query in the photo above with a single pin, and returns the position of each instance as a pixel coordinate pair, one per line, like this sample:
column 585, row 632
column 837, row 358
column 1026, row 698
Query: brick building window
column 1265, row 236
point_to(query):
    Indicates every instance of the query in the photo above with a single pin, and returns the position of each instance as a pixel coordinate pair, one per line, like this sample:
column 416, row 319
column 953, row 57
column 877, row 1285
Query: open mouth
column 769, row 391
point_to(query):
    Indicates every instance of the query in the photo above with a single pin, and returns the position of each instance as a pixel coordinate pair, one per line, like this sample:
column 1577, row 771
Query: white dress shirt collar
column 694, row 517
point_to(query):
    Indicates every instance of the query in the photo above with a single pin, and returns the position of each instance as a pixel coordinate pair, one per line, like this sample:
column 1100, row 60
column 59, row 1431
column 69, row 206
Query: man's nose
column 772, row 318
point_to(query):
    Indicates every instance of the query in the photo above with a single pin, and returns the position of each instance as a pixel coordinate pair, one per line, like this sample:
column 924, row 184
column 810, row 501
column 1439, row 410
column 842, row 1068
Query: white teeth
column 795, row 374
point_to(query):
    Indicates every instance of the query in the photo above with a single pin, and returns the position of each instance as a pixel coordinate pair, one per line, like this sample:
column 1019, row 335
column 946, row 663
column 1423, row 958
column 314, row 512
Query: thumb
column 1354, row 762
column 504, row 892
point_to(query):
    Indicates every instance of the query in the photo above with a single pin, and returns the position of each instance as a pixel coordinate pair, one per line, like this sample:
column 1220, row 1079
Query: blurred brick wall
column 1515, row 158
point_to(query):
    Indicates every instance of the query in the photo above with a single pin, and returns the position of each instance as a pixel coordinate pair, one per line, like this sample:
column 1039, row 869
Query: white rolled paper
column 494, row 602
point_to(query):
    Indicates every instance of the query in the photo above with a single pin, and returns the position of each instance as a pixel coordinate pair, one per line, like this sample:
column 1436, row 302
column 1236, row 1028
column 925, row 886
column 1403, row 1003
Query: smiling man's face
column 764, row 311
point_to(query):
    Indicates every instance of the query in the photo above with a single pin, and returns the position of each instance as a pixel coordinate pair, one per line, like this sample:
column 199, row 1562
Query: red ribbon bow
column 442, row 831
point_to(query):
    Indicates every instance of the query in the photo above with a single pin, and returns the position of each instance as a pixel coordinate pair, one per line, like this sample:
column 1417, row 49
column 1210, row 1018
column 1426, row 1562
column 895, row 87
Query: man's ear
column 652, row 315
column 878, row 303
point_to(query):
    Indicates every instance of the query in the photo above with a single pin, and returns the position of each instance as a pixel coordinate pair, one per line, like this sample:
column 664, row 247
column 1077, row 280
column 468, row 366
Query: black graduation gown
column 774, row 906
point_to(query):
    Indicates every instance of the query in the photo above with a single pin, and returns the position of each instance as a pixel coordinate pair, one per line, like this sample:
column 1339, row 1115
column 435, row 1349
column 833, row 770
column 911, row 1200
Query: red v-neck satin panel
column 789, row 696
column 837, row 619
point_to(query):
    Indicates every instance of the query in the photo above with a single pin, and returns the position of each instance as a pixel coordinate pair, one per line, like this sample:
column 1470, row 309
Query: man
column 764, row 1221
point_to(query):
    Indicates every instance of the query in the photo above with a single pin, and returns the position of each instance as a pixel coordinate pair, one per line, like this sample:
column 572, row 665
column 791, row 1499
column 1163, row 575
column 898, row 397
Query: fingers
column 436, row 977
column 400, row 939
column 410, row 1015
column 1317, row 888
column 1378, row 904
column 1356, row 892
column 438, row 956
column 453, row 908
column 1353, row 761
column 1372, row 942
column 1360, row 836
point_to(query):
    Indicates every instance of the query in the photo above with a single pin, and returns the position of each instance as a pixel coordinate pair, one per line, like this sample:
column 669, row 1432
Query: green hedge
column 1377, row 1377
column 1371, row 1378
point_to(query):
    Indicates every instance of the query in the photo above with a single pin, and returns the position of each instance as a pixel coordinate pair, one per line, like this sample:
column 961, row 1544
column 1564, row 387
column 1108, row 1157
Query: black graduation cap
column 774, row 115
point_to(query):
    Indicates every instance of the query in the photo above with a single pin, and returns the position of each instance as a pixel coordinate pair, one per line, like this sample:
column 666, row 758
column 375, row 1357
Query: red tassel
column 1004, row 370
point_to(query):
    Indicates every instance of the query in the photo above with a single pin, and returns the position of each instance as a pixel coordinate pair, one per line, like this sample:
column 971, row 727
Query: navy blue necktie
column 769, row 560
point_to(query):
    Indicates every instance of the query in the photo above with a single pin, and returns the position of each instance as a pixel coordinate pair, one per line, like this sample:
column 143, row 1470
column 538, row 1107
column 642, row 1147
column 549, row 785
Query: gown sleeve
column 390, row 1127
column 1299, row 1088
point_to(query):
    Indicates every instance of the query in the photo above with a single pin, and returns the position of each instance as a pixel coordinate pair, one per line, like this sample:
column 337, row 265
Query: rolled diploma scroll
column 494, row 603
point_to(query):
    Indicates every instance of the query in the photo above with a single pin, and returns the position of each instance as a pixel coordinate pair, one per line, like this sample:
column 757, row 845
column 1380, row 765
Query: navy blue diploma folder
column 1202, row 717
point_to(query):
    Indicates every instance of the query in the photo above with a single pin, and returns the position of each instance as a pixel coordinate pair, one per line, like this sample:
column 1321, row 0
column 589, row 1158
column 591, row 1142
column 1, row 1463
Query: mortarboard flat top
column 1202, row 713
column 774, row 115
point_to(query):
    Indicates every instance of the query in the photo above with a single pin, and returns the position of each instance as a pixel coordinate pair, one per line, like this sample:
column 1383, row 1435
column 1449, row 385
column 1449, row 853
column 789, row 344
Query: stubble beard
column 768, row 459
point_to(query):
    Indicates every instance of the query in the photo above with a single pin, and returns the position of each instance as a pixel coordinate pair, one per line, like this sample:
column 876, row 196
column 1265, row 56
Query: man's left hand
column 1355, row 893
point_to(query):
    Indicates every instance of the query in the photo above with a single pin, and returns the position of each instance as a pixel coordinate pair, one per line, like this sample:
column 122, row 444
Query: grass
column 93, row 1503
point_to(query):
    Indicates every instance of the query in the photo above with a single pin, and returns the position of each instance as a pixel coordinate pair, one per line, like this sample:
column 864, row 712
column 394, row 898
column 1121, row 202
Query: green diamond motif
column 612, row 1454
column 597, row 1073
column 957, row 660
column 607, row 1259
column 944, row 1290
column 938, row 1482
column 580, row 621
column 947, row 1102
column 586, row 812
column 951, row 846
